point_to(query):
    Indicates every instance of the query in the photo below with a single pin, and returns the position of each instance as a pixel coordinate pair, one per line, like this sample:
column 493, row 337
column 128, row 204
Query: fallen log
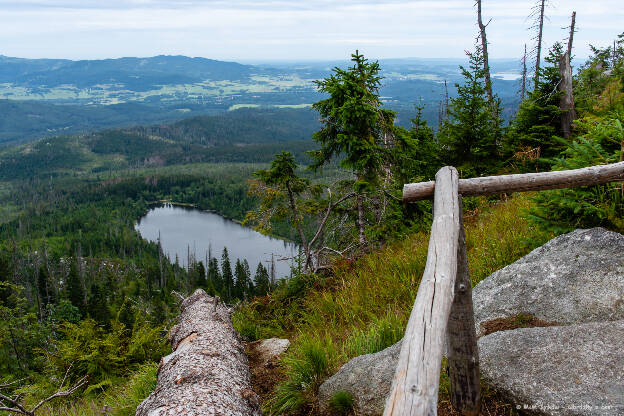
column 207, row 373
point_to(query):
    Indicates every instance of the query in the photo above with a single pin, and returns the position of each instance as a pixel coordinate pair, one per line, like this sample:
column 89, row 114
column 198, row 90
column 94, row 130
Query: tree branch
column 18, row 408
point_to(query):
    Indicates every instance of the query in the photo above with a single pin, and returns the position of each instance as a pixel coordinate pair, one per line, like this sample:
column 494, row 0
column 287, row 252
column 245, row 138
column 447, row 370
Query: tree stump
column 207, row 373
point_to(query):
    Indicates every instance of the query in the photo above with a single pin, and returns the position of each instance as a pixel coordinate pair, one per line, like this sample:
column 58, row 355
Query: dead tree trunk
column 538, row 47
column 207, row 373
column 486, row 65
column 566, row 102
column 571, row 37
column 524, row 75
column 360, row 221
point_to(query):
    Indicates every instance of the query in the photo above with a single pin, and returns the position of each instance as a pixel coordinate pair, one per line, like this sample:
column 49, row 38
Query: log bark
column 415, row 387
column 207, row 373
column 487, row 185
column 566, row 102
column 463, row 352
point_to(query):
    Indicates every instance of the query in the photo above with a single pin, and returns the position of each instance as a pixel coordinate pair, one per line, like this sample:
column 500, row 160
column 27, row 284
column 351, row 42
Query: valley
column 58, row 97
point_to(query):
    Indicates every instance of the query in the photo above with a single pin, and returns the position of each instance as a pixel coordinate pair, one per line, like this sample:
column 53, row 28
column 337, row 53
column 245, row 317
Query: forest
column 84, row 301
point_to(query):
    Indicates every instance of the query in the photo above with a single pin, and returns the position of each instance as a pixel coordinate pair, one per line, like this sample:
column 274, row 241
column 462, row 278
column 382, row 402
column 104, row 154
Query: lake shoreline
column 186, row 231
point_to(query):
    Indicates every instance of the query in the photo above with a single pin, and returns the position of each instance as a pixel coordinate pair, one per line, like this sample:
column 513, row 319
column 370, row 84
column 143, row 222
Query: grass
column 342, row 402
column 365, row 305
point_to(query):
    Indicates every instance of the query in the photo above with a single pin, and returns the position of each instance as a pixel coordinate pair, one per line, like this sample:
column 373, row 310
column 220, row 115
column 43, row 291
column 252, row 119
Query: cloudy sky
column 265, row 30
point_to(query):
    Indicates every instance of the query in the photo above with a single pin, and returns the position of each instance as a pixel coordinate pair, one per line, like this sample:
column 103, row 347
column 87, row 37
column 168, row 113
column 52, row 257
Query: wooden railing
column 443, row 313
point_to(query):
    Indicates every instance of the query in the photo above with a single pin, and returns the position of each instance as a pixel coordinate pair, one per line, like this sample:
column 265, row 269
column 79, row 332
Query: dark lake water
column 184, row 228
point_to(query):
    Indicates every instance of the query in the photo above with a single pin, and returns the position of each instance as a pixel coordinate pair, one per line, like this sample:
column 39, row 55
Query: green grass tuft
column 342, row 402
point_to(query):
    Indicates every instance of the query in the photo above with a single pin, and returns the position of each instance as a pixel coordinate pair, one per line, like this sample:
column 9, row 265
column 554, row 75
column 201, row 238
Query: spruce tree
column 355, row 128
column 470, row 136
column 75, row 293
column 98, row 305
column 46, row 295
column 239, row 275
column 537, row 123
column 214, row 276
column 227, row 276
column 263, row 284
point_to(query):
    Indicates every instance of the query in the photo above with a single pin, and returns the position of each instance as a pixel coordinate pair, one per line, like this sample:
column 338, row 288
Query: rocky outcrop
column 207, row 372
column 574, row 368
column 367, row 378
column 575, row 278
column 563, row 370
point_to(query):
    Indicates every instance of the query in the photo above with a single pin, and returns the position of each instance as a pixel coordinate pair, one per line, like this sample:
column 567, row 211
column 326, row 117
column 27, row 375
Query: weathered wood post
column 463, row 353
column 416, row 382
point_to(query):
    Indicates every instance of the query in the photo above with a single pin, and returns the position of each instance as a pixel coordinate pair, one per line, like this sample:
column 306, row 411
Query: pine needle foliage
column 470, row 136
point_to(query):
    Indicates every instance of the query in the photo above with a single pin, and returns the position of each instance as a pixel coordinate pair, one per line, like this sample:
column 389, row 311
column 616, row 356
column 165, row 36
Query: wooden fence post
column 463, row 353
column 415, row 386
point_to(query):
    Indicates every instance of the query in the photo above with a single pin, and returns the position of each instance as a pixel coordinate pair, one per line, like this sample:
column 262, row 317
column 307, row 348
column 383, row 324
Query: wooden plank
column 463, row 353
column 488, row 185
column 415, row 386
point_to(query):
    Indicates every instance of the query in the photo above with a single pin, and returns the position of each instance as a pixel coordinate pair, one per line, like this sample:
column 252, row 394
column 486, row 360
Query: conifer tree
column 470, row 135
column 227, row 276
column 214, row 276
column 239, row 276
column 537, row 123
column 98, row 305
column 46, row 295
column 283, row 177
column 75, row 294
column 263, row 284
column 355, row 125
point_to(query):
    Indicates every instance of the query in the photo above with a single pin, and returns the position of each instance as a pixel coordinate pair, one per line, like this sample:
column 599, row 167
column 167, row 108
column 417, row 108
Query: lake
column 183, row 228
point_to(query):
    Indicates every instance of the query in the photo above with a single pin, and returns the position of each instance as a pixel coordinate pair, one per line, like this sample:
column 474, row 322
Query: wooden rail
column 488, row 185
column 443, row 313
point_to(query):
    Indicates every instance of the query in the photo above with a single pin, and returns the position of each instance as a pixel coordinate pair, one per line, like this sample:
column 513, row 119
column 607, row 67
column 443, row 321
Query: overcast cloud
column 242, row 30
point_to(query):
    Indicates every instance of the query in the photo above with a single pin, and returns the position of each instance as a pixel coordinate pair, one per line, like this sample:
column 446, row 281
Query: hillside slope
column 364, row 306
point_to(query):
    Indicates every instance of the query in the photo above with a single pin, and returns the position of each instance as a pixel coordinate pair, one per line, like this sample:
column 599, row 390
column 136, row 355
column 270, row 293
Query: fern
column 584, row 207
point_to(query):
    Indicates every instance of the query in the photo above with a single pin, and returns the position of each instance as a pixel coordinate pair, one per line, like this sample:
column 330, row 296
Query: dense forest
column 82, row 295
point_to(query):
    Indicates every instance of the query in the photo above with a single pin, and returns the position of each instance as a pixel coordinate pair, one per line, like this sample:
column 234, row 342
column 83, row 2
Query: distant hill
column 160, row 89
column 23, row 121
column 244, row 135
column 137, row 74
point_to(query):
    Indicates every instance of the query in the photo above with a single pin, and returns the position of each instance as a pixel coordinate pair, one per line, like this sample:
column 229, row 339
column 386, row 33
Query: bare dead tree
column 486, row 65
column 571, row 36
column 13, row 403
column 440, row 116
column 446, row 101
column 538, row 14
column 566, row 102
column 524, row 74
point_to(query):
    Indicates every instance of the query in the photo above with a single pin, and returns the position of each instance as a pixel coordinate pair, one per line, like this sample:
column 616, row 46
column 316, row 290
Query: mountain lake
column 188, row 231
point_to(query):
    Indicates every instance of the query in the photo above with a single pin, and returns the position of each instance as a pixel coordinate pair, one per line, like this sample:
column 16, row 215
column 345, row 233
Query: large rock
column 368, row 378
column 563, row 370
column 267, row 349
column 575, row 278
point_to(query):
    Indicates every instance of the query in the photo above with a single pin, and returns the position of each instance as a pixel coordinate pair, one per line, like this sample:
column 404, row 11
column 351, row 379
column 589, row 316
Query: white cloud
column 264, row 30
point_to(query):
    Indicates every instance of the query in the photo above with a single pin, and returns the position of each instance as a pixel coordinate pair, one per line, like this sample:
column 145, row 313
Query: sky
column 266, row 30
